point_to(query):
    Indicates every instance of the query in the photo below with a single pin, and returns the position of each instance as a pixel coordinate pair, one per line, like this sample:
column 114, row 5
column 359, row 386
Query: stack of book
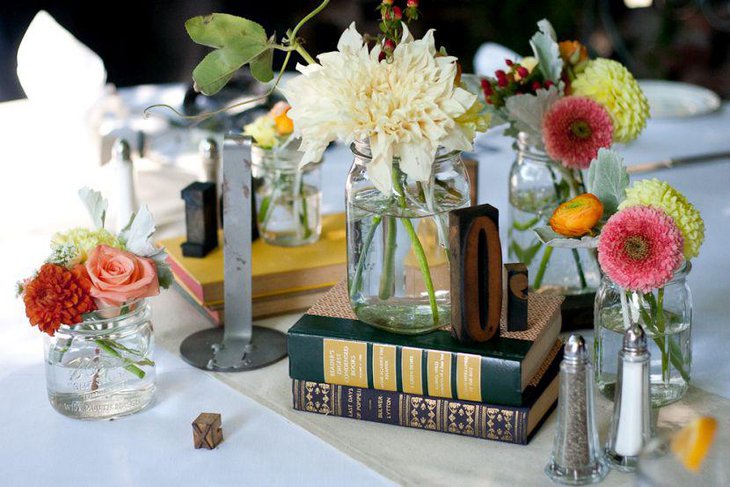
column 500, row 390
column 284, row 279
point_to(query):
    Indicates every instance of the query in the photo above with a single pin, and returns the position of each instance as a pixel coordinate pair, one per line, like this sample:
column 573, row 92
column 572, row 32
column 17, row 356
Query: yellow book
column 275, row 270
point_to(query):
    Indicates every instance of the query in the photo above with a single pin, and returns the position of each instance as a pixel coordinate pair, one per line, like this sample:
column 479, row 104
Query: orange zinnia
column 57, row 296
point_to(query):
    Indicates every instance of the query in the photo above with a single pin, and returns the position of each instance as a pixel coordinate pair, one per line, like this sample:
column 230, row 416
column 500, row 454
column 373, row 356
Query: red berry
column 389, row 45
column 397, row 14
column 508, row 62
column 502, row 82
column 536, row 85
column 548, row 84
column 381, row 56
column 487, row 88
column 522, row 71
column 500, row 74
column 387, row 2
column 412, row 4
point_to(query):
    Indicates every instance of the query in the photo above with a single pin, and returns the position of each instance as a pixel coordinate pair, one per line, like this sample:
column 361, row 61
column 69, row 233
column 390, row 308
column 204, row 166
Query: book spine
column 396, row 368
column 499, row 423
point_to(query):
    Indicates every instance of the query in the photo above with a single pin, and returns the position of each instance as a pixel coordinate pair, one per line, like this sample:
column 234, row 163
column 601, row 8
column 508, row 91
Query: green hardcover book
column 329, row 345
column 488, row 421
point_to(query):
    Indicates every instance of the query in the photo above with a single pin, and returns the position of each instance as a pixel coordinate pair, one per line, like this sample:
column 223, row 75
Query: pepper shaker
column 630, row 427
column 577, row 456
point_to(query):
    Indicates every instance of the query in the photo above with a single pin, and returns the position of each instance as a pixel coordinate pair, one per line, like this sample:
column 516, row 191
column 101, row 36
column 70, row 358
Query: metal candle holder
column 239, row 345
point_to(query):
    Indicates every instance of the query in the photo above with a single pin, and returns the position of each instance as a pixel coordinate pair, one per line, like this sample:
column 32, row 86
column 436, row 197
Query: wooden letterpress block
column 516, row 302
column 476, row 273
column 207, row 432
column 201, row 221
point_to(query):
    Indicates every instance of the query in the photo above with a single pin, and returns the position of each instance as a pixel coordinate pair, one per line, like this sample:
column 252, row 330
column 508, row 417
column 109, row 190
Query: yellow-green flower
column 659, row 194
column 612, row 85
column 263, row 131
column 85, row 240
column 474, row 120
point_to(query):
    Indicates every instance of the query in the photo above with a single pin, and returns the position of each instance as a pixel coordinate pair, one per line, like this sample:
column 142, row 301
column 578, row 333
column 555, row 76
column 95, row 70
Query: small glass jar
column 666, row 316
column 288, row 197
column 102, row 368
column 397, row 244
column 537, row 185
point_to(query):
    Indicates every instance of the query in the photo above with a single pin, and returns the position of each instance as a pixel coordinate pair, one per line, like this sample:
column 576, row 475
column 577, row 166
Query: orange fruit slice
column 692, row 443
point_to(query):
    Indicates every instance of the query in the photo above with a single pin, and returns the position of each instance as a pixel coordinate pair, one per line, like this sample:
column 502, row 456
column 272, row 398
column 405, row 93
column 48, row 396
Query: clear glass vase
column 397, row 245
column 666, row 316
column 287, row 196
column 537, row 185
column 102, row 368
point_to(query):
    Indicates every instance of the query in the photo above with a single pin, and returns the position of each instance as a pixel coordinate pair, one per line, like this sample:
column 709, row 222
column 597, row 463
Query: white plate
column 671, row 99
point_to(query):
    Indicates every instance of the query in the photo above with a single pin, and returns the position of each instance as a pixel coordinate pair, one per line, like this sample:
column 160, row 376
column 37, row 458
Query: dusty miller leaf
column 237, row 41
column 553, row 239
column 95, row 204
column 545, row 46
column 526, row 111
column 136, row 235
column 607, row 180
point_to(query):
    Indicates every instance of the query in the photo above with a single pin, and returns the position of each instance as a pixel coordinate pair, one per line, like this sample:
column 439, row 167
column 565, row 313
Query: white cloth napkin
column 56, row 70
column 490, row 57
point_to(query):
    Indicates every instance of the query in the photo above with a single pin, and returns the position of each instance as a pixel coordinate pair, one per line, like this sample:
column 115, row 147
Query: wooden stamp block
column 516, row 302
column 201, row 221
column 207, row 432
column 476, row 273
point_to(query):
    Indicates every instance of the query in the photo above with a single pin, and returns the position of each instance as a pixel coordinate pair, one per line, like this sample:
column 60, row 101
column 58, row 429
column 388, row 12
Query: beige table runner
column 407, row 456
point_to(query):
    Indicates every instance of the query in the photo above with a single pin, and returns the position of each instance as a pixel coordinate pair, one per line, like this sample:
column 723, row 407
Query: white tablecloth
column 43, row 171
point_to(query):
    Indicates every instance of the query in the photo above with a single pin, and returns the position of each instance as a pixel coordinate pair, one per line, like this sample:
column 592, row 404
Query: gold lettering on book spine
column 439, row 373
column 411, row 370
column 384, row 367
column 469, row 377
column 345, row 362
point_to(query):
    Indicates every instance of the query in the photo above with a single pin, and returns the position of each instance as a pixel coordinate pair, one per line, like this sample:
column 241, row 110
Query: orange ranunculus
column 578, row 216
column 57, row 296
column 284, row 124
column 573, row 52
column 118, row 276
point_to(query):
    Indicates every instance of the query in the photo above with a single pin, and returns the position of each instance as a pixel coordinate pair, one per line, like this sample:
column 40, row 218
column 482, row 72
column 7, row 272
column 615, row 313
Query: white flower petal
column 416, row 160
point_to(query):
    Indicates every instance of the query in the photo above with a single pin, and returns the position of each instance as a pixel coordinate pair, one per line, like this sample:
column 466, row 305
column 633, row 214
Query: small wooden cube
column 207, row 432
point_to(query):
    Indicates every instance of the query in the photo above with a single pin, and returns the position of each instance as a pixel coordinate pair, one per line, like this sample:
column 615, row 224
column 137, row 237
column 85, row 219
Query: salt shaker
column 123, row 197
column 630, row 427
column 577, row 457
column 210, row 161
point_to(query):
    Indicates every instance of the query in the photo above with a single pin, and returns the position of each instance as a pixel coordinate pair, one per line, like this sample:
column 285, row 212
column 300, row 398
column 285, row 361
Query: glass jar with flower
column 287, row 194
column 90, row 298
column 398, row 263
column 407, row 173
column 645, row 251
column 561, row 107
column 102, row 367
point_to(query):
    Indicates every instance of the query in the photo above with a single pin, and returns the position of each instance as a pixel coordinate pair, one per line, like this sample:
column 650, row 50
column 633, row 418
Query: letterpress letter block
column 201, row 221
column 516, row 302
column 207, row 432
column 476, row 273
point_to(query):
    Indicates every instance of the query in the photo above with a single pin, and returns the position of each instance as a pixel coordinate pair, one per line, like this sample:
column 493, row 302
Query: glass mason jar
column 287, row 196
column 397, row 245
column 666, row 316
column 537, row 185
column 102, row 368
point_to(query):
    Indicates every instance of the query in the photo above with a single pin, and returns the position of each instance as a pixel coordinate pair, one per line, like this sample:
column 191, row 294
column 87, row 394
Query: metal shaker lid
column 575, row 349
column 635, row 339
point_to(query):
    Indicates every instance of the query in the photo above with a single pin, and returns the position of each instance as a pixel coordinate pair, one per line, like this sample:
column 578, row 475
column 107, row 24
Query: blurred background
column 145, row 41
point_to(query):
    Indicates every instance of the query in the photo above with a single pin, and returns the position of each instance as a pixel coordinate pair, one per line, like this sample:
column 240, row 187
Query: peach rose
column 118, row 276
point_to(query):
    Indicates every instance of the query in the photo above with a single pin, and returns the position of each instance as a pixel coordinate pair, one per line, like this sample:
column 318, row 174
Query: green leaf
column 526, row 111
column 95, row 204
column 549, row 237
column 237, row 41
column 607, row 180
column 262, row 66
column 544, row 45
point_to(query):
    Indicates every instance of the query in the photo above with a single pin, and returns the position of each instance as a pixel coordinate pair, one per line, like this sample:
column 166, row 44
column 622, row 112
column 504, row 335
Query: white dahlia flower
column 407, row 108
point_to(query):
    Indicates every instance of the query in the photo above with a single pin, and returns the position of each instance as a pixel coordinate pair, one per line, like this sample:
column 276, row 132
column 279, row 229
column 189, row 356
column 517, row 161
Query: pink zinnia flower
column 640, row 248
column 574, row 129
